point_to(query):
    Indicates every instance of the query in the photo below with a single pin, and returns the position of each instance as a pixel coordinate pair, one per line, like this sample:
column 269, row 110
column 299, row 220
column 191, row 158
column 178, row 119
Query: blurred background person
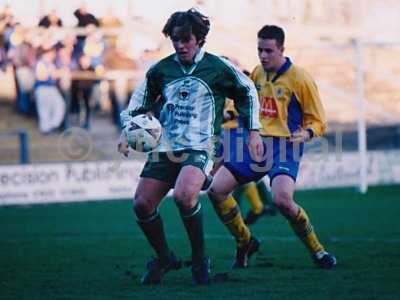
column 49, row 102
column 82, row 87
column 84, row 17
column 64, row 65
column 7, row 24
column 94, row 46
column 22, row 56
column 85, row 20
column 52, row 19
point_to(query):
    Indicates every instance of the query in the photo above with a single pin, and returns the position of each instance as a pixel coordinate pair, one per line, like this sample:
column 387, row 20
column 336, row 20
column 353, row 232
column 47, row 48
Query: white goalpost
column 361, row 123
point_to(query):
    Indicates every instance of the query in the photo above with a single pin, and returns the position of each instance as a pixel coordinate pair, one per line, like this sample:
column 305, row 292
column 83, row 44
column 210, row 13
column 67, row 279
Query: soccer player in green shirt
column 186, row 91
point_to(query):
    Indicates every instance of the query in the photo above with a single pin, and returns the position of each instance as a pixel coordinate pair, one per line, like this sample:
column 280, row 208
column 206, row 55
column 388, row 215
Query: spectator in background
column 89, row 22
column 7, row 21
column 85, row 18
column 49, row 102
column 64, row 66
column 83, row 87
column 23, row 58
column 11, row 35
column 93, row 47
column 68, row 42
column 51, row 20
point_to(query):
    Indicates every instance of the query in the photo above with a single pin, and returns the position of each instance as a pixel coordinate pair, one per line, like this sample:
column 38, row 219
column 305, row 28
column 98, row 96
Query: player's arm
column 253, row 74
column 143, row 100
column 314, row 121
column 242, row 91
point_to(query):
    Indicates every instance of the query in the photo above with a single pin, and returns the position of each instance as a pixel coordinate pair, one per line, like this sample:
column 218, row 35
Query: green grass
column 96, row 251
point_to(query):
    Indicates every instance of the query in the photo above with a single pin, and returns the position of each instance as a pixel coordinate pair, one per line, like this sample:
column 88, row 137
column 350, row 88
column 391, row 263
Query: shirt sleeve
column 242, row 91
column 143, row 99
column 313, row 111
column 253, row 75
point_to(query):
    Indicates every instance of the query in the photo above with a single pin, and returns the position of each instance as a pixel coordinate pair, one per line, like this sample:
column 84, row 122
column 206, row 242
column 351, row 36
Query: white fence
column 68, row 182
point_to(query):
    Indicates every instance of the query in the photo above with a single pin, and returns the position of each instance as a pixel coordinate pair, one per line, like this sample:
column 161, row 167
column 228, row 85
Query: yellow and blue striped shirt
column 288, row 99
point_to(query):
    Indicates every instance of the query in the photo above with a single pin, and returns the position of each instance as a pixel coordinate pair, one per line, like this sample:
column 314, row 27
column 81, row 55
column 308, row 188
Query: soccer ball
column 143, row 133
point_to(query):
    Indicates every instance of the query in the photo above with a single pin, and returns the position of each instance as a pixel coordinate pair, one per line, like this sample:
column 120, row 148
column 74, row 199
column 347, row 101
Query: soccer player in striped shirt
column 291, row 114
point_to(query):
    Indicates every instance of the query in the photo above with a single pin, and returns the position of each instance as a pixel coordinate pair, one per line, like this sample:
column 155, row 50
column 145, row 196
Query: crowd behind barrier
column 61, row 73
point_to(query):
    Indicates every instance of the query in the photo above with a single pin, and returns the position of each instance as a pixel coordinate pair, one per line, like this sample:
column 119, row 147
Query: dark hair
column 272, row 32
column 191, row 21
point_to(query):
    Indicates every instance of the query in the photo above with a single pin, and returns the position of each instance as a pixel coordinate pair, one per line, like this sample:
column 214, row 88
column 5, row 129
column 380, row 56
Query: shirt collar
column 282, row 69
column 197, row 58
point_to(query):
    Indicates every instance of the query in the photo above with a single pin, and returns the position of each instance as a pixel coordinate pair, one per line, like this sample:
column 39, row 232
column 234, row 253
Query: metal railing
column 23, row 138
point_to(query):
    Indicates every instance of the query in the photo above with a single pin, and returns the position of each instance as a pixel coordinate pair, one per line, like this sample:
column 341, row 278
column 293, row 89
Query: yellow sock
column 252, row 195
column 229, row 213
column 304, row 230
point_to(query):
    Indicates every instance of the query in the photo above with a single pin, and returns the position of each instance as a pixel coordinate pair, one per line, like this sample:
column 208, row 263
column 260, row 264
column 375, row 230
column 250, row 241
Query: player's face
column 185, row 44
column 270, row 54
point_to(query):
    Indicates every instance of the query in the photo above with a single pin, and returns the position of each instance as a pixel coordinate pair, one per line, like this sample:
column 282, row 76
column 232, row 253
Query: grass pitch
column 96, row 251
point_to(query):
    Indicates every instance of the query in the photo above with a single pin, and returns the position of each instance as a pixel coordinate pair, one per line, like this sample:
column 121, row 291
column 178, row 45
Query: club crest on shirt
column 279, row 92
column 184, row 90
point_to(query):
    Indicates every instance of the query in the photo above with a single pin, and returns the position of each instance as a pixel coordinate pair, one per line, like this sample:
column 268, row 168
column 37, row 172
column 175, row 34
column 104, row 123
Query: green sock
column 153, row 229
column 193, row 221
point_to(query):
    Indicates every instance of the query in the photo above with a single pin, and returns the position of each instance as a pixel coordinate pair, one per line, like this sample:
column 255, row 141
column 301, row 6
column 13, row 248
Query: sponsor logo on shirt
column 268, row 107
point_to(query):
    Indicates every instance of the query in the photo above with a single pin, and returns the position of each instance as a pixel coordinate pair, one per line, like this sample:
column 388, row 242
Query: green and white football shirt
column 189, row 100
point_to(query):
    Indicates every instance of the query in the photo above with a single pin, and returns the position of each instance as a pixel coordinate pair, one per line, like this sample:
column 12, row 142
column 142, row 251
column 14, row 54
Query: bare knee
column 185, row 198
column 284, row 202
column 223, row 184
column 142, row 206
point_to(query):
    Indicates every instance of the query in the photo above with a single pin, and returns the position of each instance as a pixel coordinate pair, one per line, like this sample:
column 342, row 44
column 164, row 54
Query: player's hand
column 123, row 146
column 150, row 114
column 229, row 115
column 301, row 135
column 256, row 146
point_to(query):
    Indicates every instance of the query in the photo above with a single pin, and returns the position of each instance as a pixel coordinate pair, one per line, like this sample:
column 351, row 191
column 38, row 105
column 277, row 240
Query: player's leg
column 251, row 192
column 256, row 205
column 261, row 203
column 149, row 194
column 266, row 198
column 157, row 178
column 231, row 138
column 188, row 184
column 229, row 213
column 239, row 194
column 283, row 187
